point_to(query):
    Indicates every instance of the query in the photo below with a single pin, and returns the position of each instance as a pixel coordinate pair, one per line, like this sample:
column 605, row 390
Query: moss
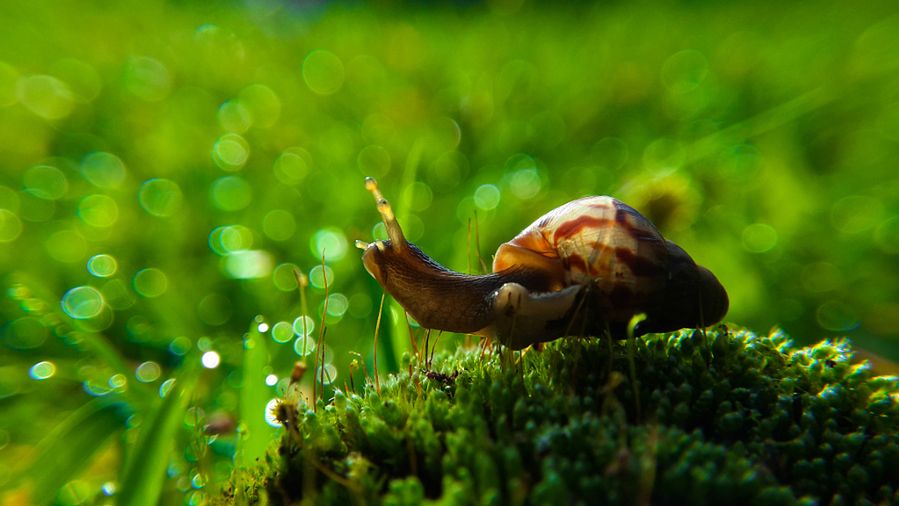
column 731, row 418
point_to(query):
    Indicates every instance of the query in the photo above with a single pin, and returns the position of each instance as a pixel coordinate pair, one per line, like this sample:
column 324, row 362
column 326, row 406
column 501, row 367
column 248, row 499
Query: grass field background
column 165, row 166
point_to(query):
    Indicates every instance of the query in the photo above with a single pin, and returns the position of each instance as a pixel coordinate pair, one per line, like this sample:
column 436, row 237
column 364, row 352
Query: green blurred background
column 164, row 167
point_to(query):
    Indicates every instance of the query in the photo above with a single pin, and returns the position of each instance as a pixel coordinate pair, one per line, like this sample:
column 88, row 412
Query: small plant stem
column 377, row 331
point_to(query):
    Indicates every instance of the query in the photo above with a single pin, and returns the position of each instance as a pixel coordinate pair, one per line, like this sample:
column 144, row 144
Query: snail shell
column 586, row 267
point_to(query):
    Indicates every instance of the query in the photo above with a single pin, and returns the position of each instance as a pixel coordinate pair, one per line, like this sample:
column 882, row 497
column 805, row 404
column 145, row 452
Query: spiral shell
column 597, row 240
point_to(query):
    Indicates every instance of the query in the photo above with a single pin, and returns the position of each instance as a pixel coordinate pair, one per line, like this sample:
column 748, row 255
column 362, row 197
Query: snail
column 584, row 268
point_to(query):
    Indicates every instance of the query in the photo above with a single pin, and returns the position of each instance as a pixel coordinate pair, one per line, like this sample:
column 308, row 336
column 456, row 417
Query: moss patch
column 730, row 418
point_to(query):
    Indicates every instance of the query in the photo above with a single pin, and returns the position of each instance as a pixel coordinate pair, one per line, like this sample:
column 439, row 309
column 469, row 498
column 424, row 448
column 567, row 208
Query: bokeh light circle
column 249, row 264
column 46, row 96
column 303, row 325
column 373, row 161
column 319, row 275
column 103, row 170
column 279, row 225
column 284, row 277
column 231, row 193
column 487, row 197
column 46, row 182
column 26, row 333
column 759, row 238
column 211, row 359
column 230, row 238
column 292, row 166
column 282, row 332
column 148, row 372
column 99, row 211
column 329, row 241
column 10, row 226
column 231, row 152
column 66, row 246
column 42, row 370
column 150, row 282
column 102, row 265
column 323, row 72
column 160, row 197
column 82, row 302
column 304, row 345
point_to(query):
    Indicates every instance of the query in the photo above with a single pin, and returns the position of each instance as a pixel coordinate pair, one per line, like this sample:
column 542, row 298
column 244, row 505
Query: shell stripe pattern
column 600, row 239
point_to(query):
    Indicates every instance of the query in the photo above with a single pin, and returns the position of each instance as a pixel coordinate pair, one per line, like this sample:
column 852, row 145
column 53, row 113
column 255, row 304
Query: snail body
column 584, row 268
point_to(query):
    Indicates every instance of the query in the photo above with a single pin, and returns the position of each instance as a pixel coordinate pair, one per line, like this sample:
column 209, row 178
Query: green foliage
column 727, row 418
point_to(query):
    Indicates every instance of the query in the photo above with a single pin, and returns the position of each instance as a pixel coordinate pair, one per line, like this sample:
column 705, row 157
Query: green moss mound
column 682, row 418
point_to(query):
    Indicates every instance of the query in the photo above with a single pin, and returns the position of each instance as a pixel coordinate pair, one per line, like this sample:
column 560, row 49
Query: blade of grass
column 144, row 476
column 254, row 396
column 69, row 447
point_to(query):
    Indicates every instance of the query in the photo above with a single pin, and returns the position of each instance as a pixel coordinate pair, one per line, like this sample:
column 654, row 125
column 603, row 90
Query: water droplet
column 211, row 360
column 323, row 72
column 271, row 380
column 150, row 282
column 82, row 302
column 160, row 197
column 102, row 265
column 42, row 370
column 262, row 328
